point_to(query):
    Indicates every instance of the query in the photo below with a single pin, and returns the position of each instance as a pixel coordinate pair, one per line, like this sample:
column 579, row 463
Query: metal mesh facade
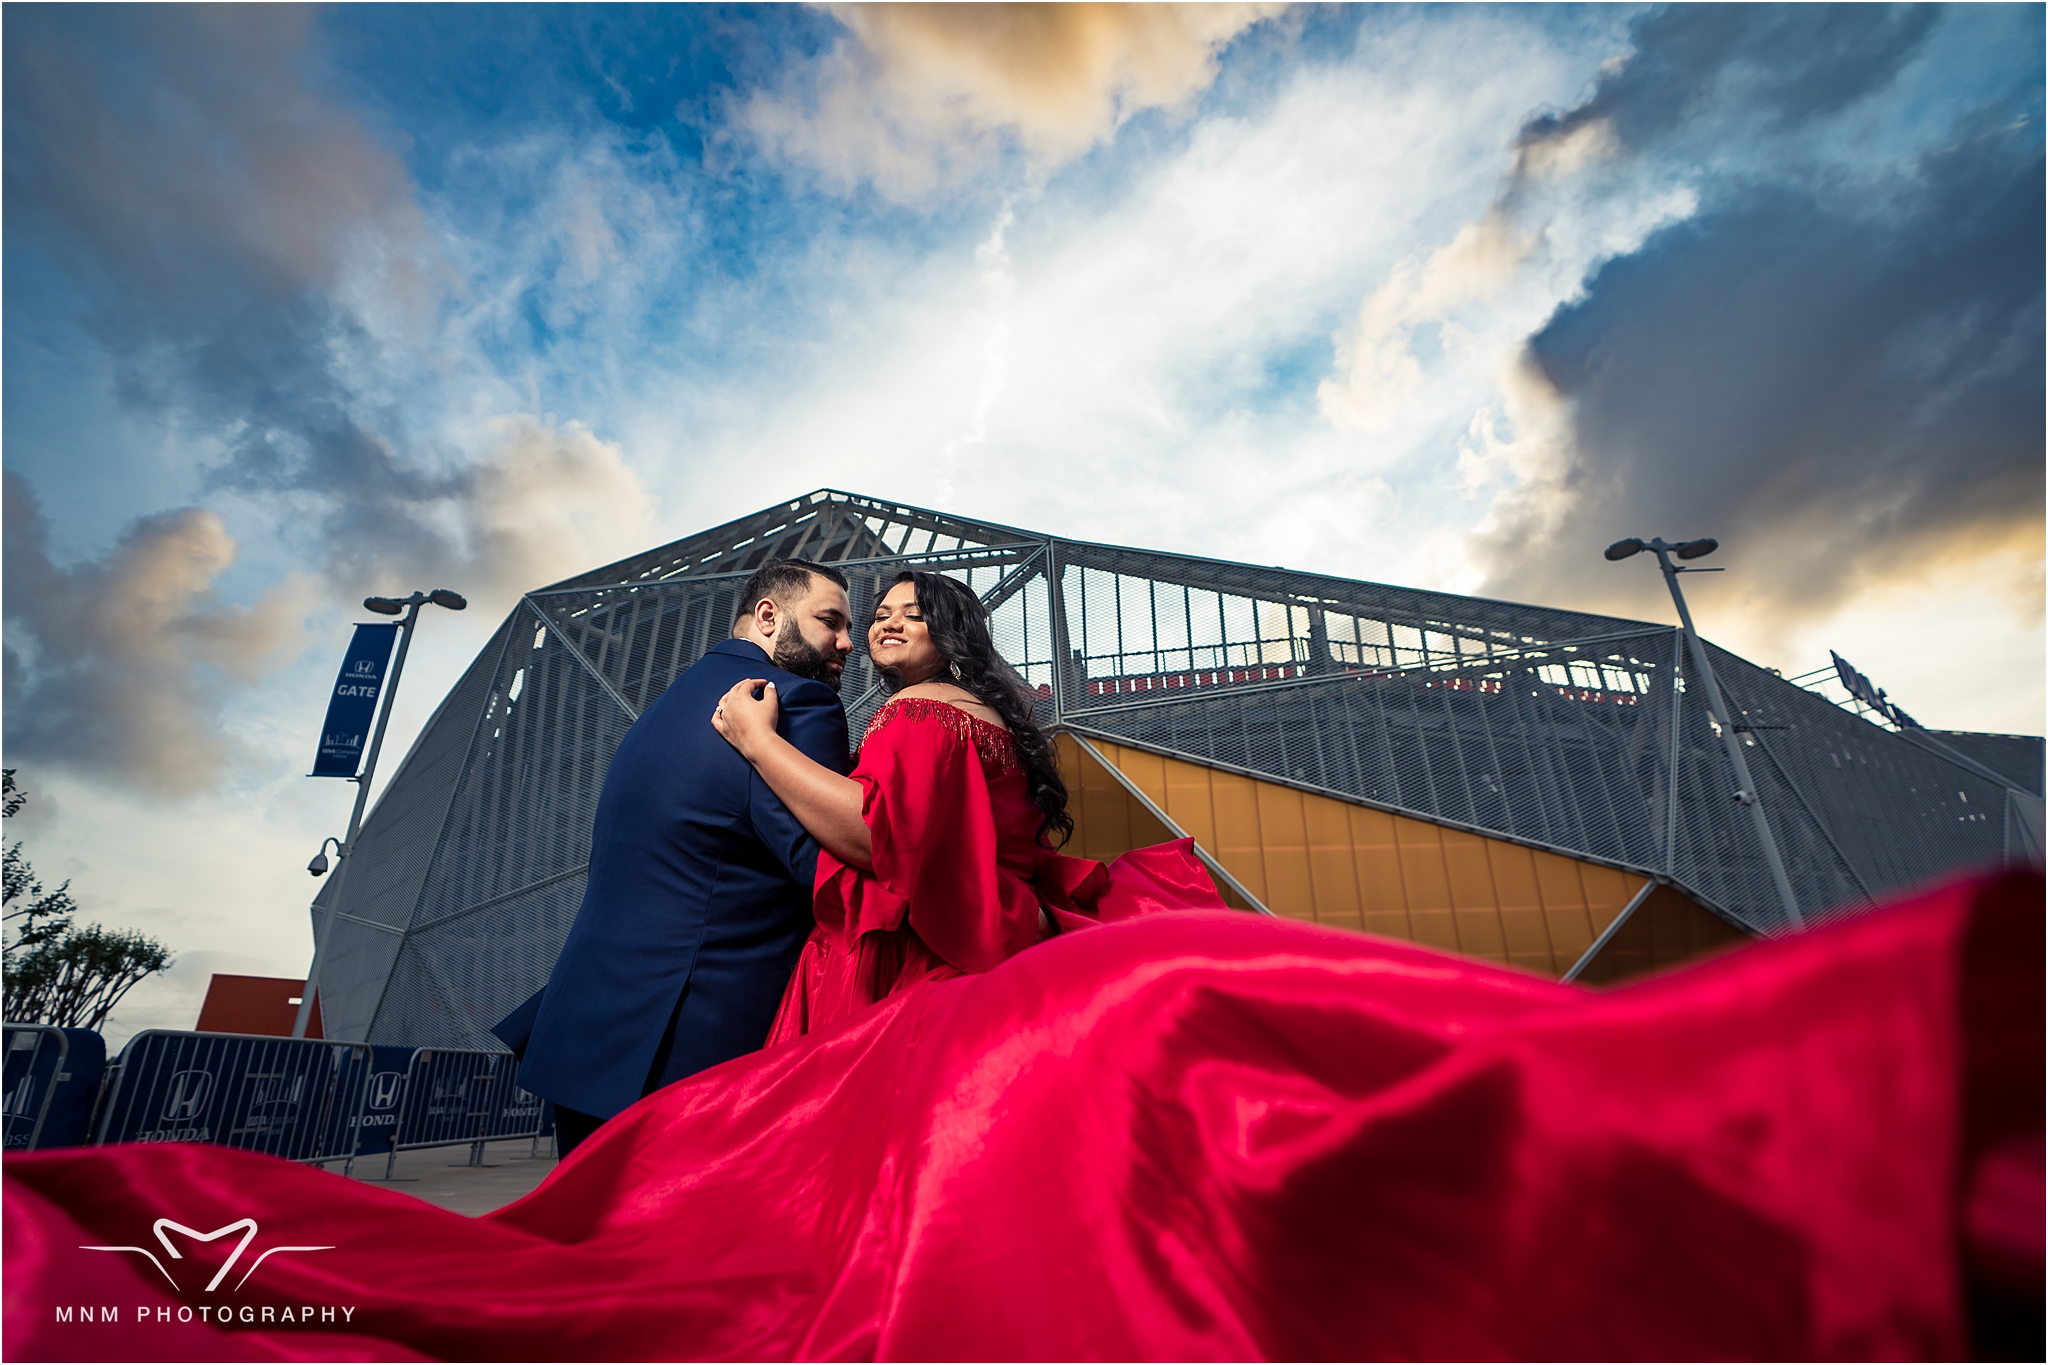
column 1577, row 733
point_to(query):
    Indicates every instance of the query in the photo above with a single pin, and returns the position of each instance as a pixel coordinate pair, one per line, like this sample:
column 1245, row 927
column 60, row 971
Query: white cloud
column 1560, row 157
column 917, row 96
column 1378, row 376
column 1126, row 338
column 548, row 500
column 122, row 665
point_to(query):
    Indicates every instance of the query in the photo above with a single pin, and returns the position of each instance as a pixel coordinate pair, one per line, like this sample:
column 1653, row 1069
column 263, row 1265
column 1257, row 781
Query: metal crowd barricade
column 249, row 1091
column 463, row 1097
column 376, row 1119
column 35, row 1055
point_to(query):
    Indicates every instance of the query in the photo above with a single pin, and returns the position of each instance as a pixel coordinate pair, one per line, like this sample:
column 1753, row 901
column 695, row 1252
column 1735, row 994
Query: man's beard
column 794, row 654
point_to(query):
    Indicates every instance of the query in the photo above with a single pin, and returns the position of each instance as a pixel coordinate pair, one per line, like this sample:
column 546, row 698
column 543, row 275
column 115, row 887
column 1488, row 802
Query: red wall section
column 255, row 1004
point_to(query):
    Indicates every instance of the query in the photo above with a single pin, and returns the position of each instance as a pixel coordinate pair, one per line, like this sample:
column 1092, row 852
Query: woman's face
column 898, row 640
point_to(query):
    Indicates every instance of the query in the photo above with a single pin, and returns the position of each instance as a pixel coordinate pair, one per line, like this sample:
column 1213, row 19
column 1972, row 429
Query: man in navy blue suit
column 699, row 896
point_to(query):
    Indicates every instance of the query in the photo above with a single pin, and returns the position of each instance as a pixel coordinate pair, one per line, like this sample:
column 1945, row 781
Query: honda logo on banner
column 354, row 702
column 384, row 1088
column 188, row 1094
column 522, row 1104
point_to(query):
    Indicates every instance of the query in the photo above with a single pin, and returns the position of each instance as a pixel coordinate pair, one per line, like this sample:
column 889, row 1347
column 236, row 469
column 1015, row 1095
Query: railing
column 368, row 1129
column 464, row 1097
column 36, row 1054
column 278, row 1096
column 51, row 1085
column 309, row 1100
column 1122, row 684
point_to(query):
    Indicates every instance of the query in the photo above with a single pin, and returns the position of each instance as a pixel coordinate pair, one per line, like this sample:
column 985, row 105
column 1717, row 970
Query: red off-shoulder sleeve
column 927, row 809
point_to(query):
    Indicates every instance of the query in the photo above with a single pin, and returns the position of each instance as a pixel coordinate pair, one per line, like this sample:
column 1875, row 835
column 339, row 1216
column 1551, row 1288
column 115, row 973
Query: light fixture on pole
column 1745, row 786
column 318, row 867
column 344, row 848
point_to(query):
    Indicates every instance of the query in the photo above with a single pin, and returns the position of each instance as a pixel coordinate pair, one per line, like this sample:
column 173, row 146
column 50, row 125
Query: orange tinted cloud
column 121, row 659
column 921, row 94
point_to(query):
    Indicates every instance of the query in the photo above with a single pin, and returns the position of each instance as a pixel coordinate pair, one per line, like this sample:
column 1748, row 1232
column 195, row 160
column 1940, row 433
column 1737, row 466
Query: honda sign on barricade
column 375, row 1120
column 456, row 1096
column 256, row 1093
column 521, row 1112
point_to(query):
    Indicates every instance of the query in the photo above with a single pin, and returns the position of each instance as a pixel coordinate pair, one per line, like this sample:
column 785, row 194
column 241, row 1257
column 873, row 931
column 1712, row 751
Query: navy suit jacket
column 698, row 902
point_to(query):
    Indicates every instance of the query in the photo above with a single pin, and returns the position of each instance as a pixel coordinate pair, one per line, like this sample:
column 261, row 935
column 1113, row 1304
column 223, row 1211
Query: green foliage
column 36, row 915
column 56, row 972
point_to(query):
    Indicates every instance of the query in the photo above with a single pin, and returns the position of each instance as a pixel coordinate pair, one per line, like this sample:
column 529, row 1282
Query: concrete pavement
column 442, row 1175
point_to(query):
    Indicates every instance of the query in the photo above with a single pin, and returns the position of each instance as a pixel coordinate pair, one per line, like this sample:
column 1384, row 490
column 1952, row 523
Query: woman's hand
column 747, row 721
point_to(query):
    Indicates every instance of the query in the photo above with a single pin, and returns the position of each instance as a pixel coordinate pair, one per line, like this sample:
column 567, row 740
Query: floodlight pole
column 1746, row 792
column 347, row 847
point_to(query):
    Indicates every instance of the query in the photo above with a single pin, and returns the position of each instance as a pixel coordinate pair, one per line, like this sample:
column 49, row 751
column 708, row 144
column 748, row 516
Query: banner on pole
column 354, row 703
column 1871, row 696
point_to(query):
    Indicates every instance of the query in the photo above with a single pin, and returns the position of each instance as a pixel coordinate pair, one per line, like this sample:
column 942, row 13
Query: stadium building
column 1534, row 787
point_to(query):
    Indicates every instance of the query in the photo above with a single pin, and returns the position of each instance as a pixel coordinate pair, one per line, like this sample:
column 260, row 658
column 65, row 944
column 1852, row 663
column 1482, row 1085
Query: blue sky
column 310, row 303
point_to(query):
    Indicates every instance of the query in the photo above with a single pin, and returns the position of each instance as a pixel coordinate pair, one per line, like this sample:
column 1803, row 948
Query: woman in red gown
column 938, row 854
column 1187, row 1136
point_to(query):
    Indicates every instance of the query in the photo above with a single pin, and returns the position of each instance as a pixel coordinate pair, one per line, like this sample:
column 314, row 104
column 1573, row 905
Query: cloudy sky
column 305, row 304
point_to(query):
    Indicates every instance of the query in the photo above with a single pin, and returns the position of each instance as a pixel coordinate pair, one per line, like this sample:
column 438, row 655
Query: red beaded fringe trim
column 998, row 750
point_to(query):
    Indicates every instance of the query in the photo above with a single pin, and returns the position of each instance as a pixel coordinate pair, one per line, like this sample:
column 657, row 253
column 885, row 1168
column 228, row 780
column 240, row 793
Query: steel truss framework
column 1576, row 733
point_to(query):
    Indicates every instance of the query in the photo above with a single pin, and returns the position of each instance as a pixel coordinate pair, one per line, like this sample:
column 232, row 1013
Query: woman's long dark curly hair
column 958, row 624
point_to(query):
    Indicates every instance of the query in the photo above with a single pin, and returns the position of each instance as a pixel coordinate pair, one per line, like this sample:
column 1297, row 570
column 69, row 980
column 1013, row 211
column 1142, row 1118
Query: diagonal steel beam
column 1131, row 789
column 1607, row 934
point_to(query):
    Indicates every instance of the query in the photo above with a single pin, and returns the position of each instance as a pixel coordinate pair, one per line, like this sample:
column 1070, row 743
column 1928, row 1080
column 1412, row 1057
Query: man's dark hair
column 781, row 581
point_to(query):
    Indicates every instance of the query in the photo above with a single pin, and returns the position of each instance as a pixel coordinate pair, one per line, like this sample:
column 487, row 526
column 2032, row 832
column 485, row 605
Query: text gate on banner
column 253, row 1092
column 353, row 703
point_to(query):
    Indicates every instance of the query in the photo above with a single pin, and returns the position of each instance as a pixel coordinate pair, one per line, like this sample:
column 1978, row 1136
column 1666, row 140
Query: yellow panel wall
column 1326, row 861
column 1106, row 820
column 1665, row 930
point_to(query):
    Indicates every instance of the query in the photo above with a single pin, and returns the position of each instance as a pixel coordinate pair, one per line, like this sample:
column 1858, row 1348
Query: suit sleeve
column 813, row 720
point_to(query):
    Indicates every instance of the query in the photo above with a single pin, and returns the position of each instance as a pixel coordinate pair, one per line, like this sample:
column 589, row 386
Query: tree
column 56, row 972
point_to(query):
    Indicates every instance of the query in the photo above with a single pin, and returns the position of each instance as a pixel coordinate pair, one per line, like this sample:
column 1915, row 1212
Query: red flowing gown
column 960, row 875
column 1195, row 1136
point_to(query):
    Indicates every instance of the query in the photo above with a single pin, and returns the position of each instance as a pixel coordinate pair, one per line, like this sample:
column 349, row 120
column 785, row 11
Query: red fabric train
column 1197, row 1136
